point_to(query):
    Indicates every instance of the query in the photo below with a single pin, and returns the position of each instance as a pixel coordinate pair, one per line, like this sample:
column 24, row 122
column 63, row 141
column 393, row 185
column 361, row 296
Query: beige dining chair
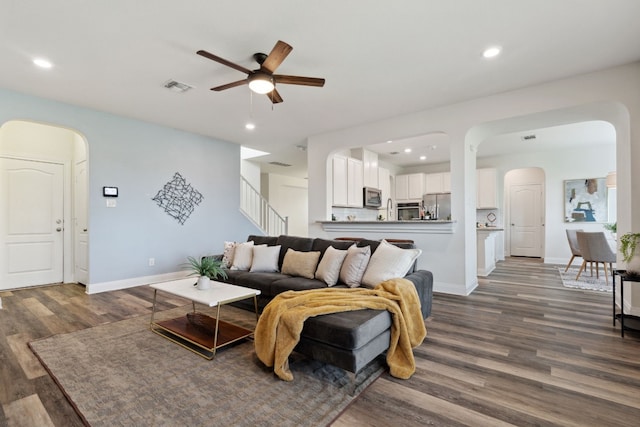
column 573, row 245
column 595, row 249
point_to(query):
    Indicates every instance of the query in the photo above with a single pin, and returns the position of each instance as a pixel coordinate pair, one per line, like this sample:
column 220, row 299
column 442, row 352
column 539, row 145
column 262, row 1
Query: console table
column 635, row 320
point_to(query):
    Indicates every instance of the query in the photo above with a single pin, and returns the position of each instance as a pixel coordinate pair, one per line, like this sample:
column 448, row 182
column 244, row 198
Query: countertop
column 391, row 227
column 415, row 221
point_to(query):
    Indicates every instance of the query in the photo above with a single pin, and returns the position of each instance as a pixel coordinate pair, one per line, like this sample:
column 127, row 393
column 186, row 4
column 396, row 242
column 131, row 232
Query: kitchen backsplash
column 360, row 214
column 481, row 217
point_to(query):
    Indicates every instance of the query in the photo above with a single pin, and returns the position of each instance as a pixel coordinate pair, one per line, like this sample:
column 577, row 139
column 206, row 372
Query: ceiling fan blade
column 230, row 85
column 298, row 80
column 223, row 61
column 274, row 96
column 275, row 58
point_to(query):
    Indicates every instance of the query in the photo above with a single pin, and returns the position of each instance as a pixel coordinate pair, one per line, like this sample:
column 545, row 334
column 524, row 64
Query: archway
column 44, row 192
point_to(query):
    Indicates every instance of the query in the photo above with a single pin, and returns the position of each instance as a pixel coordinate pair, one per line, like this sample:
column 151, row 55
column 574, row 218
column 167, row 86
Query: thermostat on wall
column 110, row 191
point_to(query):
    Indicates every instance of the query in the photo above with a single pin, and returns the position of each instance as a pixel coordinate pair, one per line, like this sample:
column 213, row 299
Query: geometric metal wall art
column 178, row 199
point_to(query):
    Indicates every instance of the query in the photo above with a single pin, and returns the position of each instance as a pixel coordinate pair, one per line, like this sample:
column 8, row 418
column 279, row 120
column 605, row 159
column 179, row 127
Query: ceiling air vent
column 177, row 86
column 528, row 137
column 280, row 164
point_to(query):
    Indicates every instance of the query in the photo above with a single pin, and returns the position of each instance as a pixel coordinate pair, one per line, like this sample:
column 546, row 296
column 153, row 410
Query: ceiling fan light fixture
column 261, row 83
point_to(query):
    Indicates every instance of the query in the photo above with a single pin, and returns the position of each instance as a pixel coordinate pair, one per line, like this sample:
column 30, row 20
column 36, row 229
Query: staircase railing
column 258, row 210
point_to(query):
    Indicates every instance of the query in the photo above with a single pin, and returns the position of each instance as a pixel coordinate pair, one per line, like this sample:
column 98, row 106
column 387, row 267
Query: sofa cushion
column 301, row 264
column 388, row 262
column 263, row 240
column 302, row 244
column 354, row 265
column 329, row 267
column 348, row 329
column 260, row 281
column 294, row 284
column 322, row 245
column 265, row 259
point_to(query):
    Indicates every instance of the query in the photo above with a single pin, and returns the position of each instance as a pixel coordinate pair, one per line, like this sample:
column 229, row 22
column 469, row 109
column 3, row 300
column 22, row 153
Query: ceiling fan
column 262, row 80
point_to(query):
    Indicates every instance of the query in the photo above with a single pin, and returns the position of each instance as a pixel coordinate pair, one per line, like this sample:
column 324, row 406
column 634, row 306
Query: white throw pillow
column 329, row 268
column 242, row 256
column 388, row 262
column 354, row 265
column 265, row 259
column 227, row 255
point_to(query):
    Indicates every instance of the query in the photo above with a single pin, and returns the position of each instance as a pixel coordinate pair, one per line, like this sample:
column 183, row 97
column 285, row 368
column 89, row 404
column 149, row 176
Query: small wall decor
column 110, row 191
column 178, row 198
column 585, row 200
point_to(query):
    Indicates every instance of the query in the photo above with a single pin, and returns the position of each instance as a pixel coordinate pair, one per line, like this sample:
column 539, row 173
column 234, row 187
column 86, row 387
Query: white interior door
column 31, row 223
column 81, row 235
column 525, row 209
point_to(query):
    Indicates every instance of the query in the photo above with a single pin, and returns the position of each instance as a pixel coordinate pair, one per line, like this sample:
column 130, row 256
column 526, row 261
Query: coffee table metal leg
column 215, row 334
column 153, row 308
column 255, row 305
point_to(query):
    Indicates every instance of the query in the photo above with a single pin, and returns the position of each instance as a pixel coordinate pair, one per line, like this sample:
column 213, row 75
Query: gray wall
column 139, row 158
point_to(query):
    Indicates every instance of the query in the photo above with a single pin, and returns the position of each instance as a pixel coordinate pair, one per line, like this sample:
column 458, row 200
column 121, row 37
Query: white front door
column 525, row 209
column 31, row 223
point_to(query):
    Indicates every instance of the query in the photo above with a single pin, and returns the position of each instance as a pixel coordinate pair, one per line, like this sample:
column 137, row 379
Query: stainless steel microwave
column 371, row 197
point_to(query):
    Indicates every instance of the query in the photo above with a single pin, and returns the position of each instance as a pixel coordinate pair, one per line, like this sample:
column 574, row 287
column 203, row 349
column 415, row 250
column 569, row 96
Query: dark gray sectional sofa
column 349, row 340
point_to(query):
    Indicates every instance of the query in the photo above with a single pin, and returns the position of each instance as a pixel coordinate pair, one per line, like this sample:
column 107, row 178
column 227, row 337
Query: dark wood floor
column 521, row 350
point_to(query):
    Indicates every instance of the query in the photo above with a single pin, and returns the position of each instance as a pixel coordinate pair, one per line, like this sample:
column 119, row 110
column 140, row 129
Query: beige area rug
column 123, row 374
column 586, row 281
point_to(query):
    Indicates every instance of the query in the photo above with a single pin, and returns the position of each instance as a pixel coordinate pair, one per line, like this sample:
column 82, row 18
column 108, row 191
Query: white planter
column 204, row 283
column 633, row 266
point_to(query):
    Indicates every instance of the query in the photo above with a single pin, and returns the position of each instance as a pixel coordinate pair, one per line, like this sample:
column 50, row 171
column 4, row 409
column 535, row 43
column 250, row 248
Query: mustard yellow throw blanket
column 279, row 327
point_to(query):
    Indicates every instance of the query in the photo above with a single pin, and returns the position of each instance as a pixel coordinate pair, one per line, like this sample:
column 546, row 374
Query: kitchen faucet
column 389, row 208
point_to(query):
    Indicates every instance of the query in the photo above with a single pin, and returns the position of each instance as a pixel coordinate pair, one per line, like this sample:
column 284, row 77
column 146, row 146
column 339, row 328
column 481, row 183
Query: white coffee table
column 202, row 341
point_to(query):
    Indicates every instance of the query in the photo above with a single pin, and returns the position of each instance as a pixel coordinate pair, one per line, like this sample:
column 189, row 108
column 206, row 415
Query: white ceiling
column 379, row 58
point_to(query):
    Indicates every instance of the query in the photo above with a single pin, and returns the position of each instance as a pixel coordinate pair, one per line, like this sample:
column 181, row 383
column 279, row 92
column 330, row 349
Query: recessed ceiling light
column 407, row 150
column 423, row 157
column 491, row 52
column 42, row 63
column 250, row 126
column 389, row 141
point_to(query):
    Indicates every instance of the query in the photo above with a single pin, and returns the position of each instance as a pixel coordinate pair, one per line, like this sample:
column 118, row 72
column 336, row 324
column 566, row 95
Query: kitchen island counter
column 413, row 226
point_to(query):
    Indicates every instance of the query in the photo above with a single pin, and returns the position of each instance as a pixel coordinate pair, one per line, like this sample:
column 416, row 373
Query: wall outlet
column 152, row 262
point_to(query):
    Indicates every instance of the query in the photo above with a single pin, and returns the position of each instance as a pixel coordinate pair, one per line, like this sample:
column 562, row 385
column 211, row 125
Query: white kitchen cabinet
column 339, row 181
column 354, row 183
column 347, row 182
column 486, row 189
column 384, row 183
column 438, row 182
column 402, row 188
column 369, row 166
column 409, row 187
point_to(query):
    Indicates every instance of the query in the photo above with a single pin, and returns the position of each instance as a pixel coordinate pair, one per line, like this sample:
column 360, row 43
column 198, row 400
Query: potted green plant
column 613, row 227
column 628, row 244
column 207, row 268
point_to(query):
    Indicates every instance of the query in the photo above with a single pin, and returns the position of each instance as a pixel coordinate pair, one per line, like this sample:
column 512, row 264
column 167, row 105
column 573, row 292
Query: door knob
column 59, row 229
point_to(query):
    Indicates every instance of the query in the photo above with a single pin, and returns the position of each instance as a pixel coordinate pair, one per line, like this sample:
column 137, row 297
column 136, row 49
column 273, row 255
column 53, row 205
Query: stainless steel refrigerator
column 437, row 206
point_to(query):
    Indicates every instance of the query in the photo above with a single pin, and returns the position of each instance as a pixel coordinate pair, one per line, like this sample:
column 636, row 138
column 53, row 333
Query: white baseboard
column 454, row 288
column 95, row 288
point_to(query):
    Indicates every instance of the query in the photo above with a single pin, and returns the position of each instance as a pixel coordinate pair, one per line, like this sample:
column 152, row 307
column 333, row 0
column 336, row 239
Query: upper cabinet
column 370, row 171
column 409, row 187
column 384, row 183
column 438, row 182
column 486, row 189
column 354, row 183
column 347, row 182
